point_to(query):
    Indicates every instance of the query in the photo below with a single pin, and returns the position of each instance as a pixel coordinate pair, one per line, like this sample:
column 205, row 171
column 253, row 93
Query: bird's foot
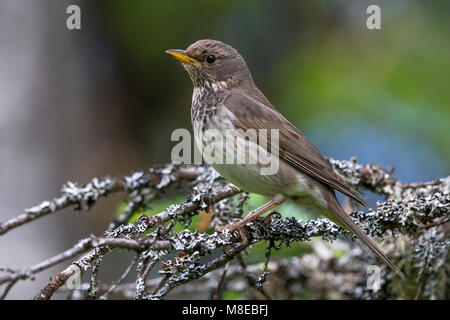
column 237, row 225
column 268, row 217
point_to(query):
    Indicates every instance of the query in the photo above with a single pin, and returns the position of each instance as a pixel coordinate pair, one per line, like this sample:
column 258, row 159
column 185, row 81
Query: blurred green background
column 104, row 100
column 381, row 95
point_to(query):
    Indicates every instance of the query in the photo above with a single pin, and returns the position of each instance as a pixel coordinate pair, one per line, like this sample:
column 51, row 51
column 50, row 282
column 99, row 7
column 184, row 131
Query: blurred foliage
column 316, row 61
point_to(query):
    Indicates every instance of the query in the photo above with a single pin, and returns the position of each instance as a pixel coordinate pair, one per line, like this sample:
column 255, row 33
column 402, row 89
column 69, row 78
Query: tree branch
column 411, row 210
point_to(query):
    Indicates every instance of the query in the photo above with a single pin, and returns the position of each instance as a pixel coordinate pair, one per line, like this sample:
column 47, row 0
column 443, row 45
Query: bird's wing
column 294, row 148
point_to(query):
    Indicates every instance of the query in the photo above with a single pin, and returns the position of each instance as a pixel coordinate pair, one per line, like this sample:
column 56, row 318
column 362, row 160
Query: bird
column 226, row 99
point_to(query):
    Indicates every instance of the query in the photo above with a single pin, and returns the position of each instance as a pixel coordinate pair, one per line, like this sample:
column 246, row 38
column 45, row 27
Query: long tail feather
column 343, row 219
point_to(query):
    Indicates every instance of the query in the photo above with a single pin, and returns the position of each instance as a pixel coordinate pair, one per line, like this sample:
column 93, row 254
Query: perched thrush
column 226, row 98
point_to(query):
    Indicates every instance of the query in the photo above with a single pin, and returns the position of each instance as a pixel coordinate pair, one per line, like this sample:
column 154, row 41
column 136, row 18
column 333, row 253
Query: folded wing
column 293, row 147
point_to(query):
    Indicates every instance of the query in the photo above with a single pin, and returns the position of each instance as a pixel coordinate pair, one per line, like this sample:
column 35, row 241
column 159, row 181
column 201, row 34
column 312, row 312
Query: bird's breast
column 207, row 101
column 211, row 121
column 247, row 175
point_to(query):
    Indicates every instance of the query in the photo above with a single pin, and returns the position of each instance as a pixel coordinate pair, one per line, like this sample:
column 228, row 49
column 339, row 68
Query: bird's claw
column 238, row 226
column 235, row 226
column 268, row 217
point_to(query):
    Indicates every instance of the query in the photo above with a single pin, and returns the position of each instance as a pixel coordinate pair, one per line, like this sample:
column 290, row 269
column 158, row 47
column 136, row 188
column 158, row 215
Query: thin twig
column 116, row 283
column 220, row 286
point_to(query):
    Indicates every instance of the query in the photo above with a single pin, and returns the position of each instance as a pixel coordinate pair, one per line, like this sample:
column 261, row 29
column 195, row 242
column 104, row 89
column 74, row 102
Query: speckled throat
column 206, row 100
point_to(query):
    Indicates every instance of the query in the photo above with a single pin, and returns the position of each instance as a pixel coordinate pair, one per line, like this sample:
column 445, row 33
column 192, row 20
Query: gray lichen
column 413, row 217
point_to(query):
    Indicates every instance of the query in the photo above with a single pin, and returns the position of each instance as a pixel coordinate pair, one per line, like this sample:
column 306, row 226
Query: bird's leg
column 268, row 217
column 253, row 215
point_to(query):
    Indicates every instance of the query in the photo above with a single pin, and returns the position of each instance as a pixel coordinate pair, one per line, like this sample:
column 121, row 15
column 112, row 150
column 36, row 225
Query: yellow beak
column 182, row 56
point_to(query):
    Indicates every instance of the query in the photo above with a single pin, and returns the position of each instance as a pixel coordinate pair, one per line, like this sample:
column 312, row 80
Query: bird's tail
column 340, row 217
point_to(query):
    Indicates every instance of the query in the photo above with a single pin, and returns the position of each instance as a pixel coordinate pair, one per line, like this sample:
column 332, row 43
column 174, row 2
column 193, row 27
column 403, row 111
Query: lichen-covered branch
column 83, row 197
column 287, row 278
column 416, row 214
column 121, row 233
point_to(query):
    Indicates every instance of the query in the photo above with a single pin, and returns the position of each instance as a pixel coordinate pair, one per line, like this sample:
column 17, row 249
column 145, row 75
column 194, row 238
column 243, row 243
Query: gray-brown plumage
column 226, row 97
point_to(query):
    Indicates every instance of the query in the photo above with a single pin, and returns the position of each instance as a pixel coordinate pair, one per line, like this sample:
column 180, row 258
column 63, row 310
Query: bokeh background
column 104, row 100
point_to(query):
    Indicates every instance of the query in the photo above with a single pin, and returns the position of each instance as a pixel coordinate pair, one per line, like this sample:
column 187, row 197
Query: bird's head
column 212, row 61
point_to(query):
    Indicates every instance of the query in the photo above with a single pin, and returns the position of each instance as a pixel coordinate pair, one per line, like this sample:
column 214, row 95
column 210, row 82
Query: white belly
column 287, row 181
column 239, row 162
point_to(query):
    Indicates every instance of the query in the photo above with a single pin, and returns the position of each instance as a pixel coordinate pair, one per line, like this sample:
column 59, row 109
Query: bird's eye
column 210, row 59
